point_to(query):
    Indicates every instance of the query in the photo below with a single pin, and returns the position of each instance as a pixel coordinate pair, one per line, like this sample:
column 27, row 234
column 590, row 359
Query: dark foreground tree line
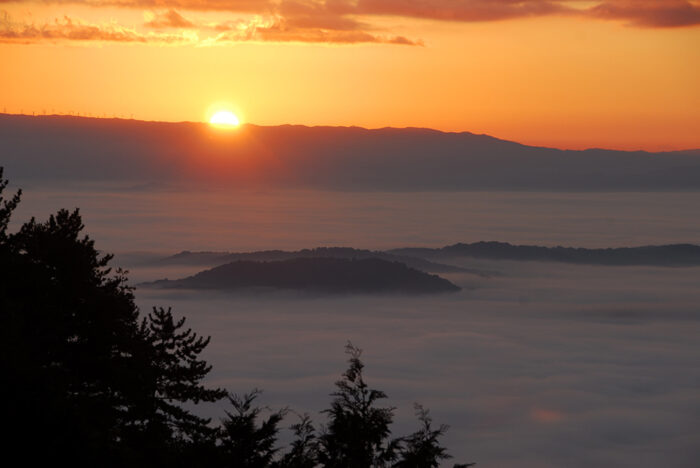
column 89, row 381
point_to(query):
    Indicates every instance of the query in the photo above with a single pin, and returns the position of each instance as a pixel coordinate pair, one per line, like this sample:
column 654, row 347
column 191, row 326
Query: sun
column 224, row 118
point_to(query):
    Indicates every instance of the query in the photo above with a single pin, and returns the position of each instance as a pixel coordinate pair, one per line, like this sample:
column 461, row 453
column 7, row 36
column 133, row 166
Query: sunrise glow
column 562, row 73
column 224, row 118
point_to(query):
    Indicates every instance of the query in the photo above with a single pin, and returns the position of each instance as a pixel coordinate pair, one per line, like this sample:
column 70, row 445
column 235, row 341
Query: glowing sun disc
column 224, row 118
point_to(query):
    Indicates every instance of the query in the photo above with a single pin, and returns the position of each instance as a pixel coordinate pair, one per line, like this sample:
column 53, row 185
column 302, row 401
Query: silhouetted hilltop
column 65, row 149
column 661, row 255
column 328, row 275
column 219, row 258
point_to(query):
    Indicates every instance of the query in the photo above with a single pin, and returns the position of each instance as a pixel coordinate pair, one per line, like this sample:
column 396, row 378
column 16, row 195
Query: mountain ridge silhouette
column 66, row 150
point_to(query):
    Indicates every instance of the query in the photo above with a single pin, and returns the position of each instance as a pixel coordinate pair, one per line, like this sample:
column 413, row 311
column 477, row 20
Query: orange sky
column 572, row 74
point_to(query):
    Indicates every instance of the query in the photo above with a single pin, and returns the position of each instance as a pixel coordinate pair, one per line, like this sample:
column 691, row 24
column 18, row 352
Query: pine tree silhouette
column 91, row 383
column 422, row 448
column 358, row 431
column 304, row 448
column 244, row 443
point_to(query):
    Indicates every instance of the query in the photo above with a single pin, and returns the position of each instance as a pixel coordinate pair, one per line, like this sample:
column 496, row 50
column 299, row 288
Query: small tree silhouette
column 178, row 373
column 358, row 432
column 304, row 449
column 422, row 448
column 244, row 443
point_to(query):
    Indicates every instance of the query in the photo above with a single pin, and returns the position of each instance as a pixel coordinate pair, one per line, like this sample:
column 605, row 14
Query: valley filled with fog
column 535, row 364
column 547, row 365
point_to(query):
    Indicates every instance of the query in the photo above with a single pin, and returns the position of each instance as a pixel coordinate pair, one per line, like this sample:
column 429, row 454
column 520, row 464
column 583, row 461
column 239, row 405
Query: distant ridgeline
column 661, row 255
column 219, row 258
column 317, row 274
column 428, row 259
column 63, row 149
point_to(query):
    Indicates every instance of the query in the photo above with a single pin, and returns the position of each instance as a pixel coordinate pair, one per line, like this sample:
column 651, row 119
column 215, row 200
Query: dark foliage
column 92, row 382
column 422, row 448
column 358, row 431
column 304, row 449
column 179, row 372
column 244, row 443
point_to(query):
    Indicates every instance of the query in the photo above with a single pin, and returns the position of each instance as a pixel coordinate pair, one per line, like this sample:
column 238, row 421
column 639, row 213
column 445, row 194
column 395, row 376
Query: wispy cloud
column 339, row 14
column 650, row 13
column 70, row 29
column 280, row 29
column 243, row 6
column 462, row 10
column 274, row 29
column 334, row 21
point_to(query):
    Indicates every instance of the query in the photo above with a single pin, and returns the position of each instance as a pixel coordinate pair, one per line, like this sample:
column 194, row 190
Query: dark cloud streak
column 650, row 14
column 169, row 19
column 333, row 21
column 461, row 11
column 342, row 14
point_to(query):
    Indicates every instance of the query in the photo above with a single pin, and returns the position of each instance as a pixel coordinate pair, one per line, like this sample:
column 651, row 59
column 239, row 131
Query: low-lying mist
column 545, row 365
column 541, row 365
column 168, row 221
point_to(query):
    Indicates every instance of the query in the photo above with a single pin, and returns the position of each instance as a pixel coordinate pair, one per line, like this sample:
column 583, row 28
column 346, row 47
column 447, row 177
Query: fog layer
column 549, row 365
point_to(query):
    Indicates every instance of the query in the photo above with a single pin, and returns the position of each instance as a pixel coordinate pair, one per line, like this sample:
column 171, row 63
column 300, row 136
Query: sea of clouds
column 547, row 365
column 540, row 365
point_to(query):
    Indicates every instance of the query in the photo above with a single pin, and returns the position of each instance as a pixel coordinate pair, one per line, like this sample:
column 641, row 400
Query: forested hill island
column 408, row 270
column 319, row 274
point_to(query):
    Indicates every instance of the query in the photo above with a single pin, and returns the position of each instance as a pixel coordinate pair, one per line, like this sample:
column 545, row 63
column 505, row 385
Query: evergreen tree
column 422, row 448
column 358, row 432
column 70, row 339
column 304, row 449
column 178, row 373
column 88, row 381
column 244, row 443
column 158, row 423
